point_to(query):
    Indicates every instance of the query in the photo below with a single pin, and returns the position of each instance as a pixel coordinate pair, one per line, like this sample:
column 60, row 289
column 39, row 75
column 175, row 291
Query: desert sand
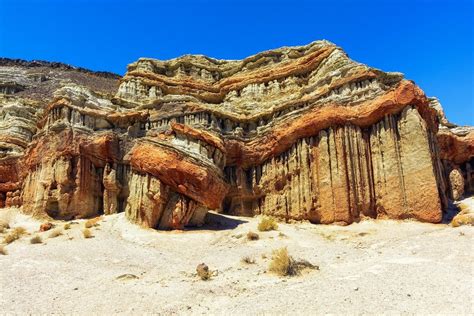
column 370, row 267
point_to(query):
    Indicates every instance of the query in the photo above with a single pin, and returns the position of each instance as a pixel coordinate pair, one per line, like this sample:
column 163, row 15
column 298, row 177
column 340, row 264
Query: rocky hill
column 301, row 133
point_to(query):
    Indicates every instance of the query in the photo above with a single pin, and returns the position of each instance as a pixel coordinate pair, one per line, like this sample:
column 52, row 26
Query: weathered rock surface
column 298, row 132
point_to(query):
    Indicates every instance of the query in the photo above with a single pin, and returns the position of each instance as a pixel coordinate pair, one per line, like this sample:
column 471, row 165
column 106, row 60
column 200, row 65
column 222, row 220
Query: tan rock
column 299, row 133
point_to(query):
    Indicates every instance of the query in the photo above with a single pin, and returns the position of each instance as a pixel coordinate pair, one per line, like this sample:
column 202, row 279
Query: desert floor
column 368, row 267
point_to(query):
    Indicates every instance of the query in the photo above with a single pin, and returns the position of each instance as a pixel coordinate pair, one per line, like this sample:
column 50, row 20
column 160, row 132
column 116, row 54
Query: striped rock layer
column 299, row 133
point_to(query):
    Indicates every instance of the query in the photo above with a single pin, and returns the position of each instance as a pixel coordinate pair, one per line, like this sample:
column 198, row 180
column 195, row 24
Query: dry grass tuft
column 14, row 235
column 36, row 240
column 8, row 239
column 283, row 264
column 328, row 236
column 55, row 233
column 86, row 232
column 462, row 220
column 248, row 260
column 20, row 230
column 3, row 250
column 92, row 222
column 67, row 226
column 252, row 236
column 267, row 224
column 4, row 225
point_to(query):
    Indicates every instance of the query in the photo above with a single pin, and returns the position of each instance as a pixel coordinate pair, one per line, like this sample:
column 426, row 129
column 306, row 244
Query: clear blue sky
column 430, row 41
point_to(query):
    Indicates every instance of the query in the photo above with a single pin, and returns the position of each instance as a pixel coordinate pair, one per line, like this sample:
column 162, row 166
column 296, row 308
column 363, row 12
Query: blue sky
column 431, row 41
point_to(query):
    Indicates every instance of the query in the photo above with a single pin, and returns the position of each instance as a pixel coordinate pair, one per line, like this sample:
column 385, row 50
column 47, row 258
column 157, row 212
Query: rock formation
column 299, row 133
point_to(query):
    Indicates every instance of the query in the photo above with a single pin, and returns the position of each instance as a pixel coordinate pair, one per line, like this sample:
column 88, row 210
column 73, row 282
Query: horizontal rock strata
column 299, row 133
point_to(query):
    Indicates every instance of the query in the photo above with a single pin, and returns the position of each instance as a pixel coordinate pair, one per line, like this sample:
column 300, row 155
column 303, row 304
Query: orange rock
column 199, row 182
column 457, row 149
column 45, row 226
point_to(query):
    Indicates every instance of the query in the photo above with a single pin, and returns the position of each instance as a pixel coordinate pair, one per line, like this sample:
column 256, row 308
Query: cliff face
column 298, row 133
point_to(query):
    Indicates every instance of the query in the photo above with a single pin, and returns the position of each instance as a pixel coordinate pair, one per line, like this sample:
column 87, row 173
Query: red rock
column 45, row 226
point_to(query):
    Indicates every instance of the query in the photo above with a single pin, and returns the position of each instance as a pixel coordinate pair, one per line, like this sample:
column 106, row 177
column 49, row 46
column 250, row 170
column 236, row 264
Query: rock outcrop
column 299, row 133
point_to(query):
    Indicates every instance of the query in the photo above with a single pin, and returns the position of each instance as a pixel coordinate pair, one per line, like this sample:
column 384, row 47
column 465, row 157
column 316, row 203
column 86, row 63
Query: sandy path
column 369, row 267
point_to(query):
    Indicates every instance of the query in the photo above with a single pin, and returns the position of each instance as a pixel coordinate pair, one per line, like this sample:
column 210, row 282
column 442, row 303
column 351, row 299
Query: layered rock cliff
column 299, row 133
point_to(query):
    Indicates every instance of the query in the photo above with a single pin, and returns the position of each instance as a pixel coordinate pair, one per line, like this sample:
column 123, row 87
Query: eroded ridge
column 298, row 132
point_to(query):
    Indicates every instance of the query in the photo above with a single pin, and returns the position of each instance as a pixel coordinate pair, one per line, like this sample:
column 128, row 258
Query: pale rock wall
column 153, row 204
column 63, row 189
column 345, row 173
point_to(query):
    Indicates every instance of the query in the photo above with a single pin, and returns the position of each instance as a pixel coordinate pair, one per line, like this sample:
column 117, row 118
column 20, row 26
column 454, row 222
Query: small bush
column 8, row 239
column 14, row 235
column 86, row 232
column 203, row 271
column 67, row 226
column 3, row 226
column 252, row 236
column 55, row 233
column 36, row 240
column 3, row 250
column 284, row 265
column 462, row 219
column 92, row 222
column 248, row 260
column 267, row 224
column 20, row 230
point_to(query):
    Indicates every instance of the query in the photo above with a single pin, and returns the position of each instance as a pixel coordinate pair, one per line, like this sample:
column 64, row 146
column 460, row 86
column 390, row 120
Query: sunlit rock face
column 299, row 133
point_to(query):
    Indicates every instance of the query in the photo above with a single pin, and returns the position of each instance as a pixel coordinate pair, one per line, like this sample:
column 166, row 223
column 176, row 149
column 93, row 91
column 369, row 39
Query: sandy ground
column 365, row 268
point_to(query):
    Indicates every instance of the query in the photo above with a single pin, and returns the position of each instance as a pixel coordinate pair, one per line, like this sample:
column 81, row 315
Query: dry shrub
column 92, row 222
column 267, row 224
column 463, row 219
column 55, row 233
column 36, row 240
column 10, row 238
column 14, row 235
column 252, row 236
column 3, row 225
column 86, row 232
column 248, row 260
column 20, row 230
column 328, row 236
column 3, row 250
column 67, row 226
column 284, row 265
column 203, row 271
